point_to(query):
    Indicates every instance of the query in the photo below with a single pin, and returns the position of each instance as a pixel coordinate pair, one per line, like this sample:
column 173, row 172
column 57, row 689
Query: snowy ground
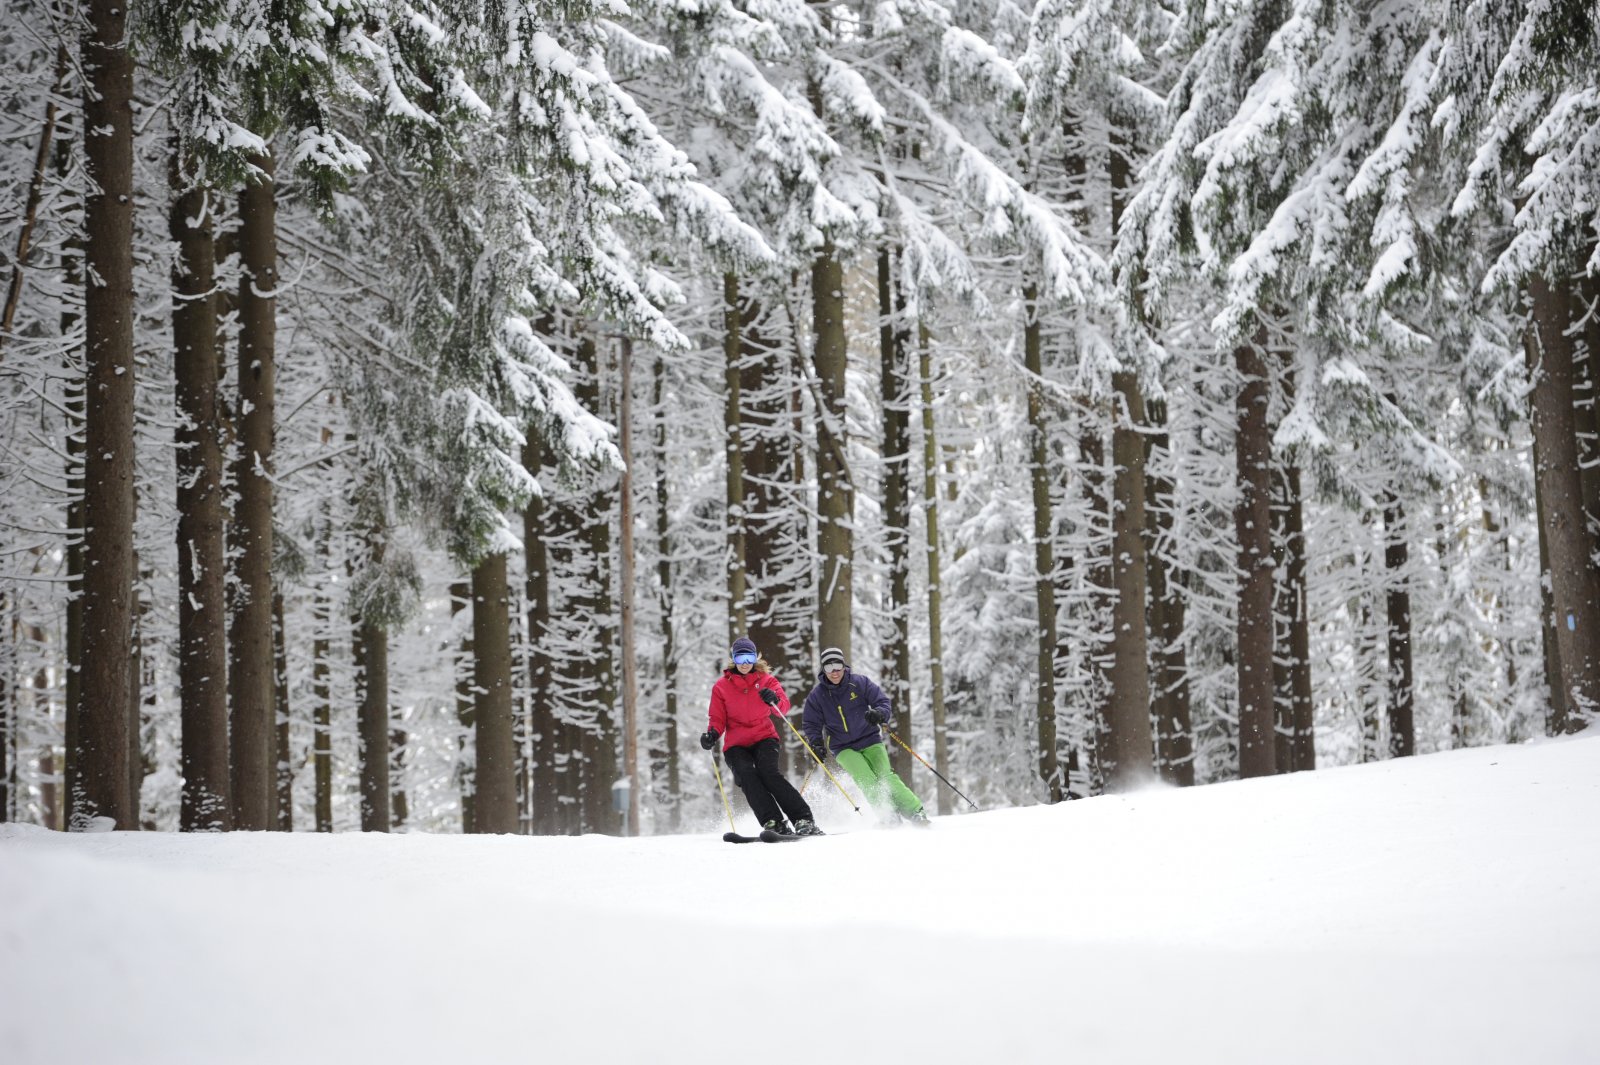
column 1441, row 909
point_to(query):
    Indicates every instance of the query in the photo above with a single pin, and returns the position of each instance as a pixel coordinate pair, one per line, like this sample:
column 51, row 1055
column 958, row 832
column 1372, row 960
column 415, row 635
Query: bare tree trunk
column 322, row 697
column 495, row 806
column 892, row 342
column 1402, row 730
column 630, row 694
column 1576, row 586
column 544, row 727
column 283, row 776
column 835, row 492
column 372, row 724
column 202, row 561
column 664, row 760
column 251, row 642
column 1253, row 525
column 1303, row 749
column 1096, row 559
column 1586, row 397
column 97, row 763
column 460, row 597
column 399, row 808
column 733, row 451
column 600, row 741
column 1043, row 548
column 930, row 523
column 1170, row 681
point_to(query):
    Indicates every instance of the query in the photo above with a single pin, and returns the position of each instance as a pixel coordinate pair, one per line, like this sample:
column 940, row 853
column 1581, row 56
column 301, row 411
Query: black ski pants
column 755, row 770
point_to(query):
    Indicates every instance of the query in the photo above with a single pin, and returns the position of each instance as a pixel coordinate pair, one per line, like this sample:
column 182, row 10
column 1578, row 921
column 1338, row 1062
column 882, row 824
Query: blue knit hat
column 744, row 645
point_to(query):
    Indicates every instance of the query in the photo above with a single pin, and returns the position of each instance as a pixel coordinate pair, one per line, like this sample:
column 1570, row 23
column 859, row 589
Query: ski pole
column 718, row 771
column 819, row 762
column 932, row 770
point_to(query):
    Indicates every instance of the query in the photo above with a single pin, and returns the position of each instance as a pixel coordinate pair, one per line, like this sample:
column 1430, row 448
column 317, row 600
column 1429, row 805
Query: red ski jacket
column 737, row 711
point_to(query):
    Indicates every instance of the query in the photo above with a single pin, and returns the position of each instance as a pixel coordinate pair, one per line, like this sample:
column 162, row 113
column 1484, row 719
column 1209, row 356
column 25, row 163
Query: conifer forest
column 404, row 404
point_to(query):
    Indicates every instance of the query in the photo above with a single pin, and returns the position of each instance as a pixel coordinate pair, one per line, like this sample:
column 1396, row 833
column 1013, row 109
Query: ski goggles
column 744, row 658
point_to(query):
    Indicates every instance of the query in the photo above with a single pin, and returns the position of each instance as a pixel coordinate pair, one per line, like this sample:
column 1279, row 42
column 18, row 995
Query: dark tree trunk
column 1575, row 587
column 601, row 741
column 1402, row 730
column 1586, row 398
column 1096, row 559
column 1128, row 707
column 202, row 563
column 495, row 805
column 322, row 696
column 97, row 763
column 284, row 761
column 544, row 727
column 1253, row 526
column 664, row 758
column 892, row 343
column 1044, row 587
column 1303, row 749
column 460, row 598
column 399, row 808
column 372, row 728
column 733, row 454
column 835, row 492
column 629, row 695
column 930, row 511
column 30, row 211
column 251, row 637
column 1169, row 658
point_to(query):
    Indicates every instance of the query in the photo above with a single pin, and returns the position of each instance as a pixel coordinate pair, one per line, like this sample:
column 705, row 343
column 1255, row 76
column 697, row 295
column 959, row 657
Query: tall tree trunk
column 1556, row 718
column 892, row 343
column 202, row 562
column 97, row 765
column 664, row 759
column 930, row 525
column 1586, row 397
column 1128, row 709
column 399, row 808
column 322, row 692
column 1096, row 559
column 1303, row 749
column 1170, row 667
column 1253, row 526
column 495, row 805
column 1576, row 585
column 1043, row 548
column 1129, row 705
column 251, row 638
column 283, row 777
column 733, row 452
column 630, row 695
column 372, row 716
column 545, row 729
column 1402, row 730
column 460, row 597
column 601, row 745
column 835, row 492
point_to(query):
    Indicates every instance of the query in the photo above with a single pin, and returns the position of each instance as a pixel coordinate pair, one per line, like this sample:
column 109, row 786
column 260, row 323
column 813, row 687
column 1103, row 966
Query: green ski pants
column 882, row 785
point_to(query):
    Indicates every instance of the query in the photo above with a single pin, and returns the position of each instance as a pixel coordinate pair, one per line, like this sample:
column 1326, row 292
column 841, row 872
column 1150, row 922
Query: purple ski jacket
column 840, row 711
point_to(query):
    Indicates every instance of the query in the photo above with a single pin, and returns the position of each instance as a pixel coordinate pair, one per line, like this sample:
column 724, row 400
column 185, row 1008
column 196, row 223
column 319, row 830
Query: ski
column 734, row 837
column 769, row 836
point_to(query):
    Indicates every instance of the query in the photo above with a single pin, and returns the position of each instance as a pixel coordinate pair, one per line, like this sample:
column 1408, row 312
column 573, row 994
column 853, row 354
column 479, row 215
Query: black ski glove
column 876, row 716
column 709, row 740
column 817, row 748
column 769, row 696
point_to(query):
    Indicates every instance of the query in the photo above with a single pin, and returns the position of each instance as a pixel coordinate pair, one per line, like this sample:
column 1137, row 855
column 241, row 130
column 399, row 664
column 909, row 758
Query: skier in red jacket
column 742, row 704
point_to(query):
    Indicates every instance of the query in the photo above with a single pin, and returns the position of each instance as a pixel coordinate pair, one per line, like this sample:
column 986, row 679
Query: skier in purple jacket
column 845, row 713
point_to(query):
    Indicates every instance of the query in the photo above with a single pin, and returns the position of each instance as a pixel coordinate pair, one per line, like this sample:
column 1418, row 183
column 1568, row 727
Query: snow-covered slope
column 1442, row 909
